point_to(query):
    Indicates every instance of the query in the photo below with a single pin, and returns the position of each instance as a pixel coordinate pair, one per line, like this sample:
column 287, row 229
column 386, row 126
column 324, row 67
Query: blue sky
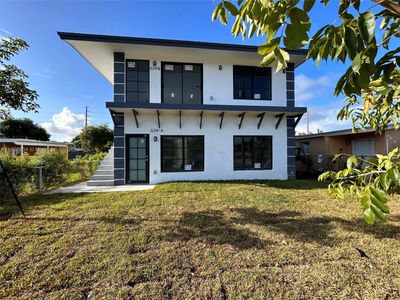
column 66, row 83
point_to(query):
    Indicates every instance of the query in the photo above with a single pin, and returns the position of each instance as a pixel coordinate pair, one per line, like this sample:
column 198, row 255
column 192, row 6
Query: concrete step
column 100, row 182
column 104, row 172
column 102, row 177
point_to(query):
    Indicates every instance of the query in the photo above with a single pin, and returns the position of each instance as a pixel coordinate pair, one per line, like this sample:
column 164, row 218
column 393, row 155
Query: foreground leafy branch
column 371, row 84
column 371, row 180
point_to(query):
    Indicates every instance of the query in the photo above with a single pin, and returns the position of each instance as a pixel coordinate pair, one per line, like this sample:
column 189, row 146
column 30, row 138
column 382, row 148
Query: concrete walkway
column 84, row 188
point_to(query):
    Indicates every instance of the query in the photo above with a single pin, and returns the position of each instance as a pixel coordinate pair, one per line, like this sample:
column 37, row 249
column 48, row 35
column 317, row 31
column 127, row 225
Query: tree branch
column 390, row 6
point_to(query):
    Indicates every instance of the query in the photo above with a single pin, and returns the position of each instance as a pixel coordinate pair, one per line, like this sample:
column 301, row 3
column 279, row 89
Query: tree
column 370, row 84
column 96, row 138
column 14, row 90
column 76, row 142
column 23, row 128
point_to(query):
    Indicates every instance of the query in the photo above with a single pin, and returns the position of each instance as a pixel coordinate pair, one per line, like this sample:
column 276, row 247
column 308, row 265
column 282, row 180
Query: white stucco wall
column 218, row 144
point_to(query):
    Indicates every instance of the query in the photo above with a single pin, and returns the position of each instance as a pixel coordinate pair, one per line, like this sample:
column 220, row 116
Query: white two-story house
column 185, row 110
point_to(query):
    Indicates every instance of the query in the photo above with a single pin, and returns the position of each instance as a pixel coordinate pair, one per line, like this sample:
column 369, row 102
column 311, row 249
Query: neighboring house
column 185, row 110
column 18, row 146
column 363, row 142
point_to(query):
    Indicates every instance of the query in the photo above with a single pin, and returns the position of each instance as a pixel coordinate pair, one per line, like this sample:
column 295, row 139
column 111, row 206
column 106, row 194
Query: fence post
column 40, row 178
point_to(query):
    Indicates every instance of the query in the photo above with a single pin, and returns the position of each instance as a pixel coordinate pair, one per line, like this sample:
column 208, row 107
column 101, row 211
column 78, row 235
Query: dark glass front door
column 137, row 158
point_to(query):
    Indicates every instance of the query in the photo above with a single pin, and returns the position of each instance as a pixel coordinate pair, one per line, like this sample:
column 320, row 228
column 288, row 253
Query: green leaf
column 378, row 194
column 268, row 46
column 382, row 206
column 216, row 12
column 296, row 36
column 350, row 39
column 366, row 25
column 356, row 64
column 268, row 59
column 222, row 17
column 393, row 173
column 381, row 216
column 384, row 180
column 369, row 216
column 231, row 8
column 308, row 5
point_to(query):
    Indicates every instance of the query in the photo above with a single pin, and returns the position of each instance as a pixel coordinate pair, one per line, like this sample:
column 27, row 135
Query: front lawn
column 236, row 240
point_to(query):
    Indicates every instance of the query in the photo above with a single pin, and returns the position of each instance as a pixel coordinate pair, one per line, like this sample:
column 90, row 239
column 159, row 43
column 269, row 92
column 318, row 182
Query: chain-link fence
column 29, row 180
column 311, row 166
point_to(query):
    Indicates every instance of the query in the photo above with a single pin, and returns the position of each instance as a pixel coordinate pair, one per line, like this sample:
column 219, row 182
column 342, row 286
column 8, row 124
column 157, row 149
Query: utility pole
column 86, row 116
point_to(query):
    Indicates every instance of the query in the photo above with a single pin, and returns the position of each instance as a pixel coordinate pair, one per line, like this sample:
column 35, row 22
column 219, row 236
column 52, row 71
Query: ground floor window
column 182, row 153
column 252, row 152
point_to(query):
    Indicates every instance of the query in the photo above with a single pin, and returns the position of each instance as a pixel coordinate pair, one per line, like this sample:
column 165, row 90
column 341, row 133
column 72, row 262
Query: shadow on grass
column 213, row 228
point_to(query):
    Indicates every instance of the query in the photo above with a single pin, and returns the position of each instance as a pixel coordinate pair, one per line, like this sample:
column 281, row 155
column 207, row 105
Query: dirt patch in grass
column 222, row 240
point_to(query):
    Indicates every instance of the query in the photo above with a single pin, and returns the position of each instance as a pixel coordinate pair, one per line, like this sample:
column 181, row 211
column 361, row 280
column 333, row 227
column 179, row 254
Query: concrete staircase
column 104, row 175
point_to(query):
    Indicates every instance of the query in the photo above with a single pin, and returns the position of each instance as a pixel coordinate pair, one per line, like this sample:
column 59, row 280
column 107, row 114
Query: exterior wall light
column 155, row 138
column 154, row 63
column 284, row 71
column 220, row 67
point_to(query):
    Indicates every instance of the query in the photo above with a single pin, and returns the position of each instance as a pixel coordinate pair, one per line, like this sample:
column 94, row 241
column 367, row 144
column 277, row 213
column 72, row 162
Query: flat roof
column 30, row 142
column 338, row 132
column 98, row 50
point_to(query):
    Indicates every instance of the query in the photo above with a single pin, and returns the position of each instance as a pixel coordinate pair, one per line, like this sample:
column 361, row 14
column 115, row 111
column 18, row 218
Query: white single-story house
column 185, row 110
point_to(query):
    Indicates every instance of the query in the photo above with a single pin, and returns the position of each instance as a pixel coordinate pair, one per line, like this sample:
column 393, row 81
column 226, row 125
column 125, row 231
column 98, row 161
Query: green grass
column 234, row 240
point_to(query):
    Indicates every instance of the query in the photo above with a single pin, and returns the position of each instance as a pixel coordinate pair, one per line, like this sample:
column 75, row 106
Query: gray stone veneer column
column 119, row 150
column 119, row 130
column 291, row 150
column 119, row 77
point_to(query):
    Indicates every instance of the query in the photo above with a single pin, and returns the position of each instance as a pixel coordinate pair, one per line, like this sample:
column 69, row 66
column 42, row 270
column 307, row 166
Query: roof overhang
column 98, row 50
column 126, row 106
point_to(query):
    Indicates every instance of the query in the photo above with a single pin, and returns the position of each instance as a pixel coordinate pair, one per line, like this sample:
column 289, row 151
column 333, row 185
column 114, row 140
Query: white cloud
column 5, row 31
column 47, row 73
column 64, row 125
column 322, row 118
column 308, row 88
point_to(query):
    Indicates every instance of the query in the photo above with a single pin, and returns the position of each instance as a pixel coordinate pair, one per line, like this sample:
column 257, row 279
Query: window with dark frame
column 182, row 83
column 137, row 80
column 252, row 83
column 182, row 153
column 252, row 152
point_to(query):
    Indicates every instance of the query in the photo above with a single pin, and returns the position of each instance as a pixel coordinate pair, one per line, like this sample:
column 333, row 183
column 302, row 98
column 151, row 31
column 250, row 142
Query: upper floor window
column 182, row 83
column 137, row 80
column 251, row 83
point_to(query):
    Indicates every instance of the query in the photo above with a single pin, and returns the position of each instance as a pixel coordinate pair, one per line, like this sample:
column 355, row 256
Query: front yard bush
column 44, row 171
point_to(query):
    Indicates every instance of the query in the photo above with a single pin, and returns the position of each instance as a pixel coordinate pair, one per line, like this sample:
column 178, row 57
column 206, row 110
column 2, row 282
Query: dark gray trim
column 238, row 108
column 119, row 88
column 119, row 77
column 119, row 141
column 119, row 153
column 119, row 98
column 291, row 160
column 119, row 56
column 290, row 85
column 118, row 131
column 119, row 163
column 166, row 42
